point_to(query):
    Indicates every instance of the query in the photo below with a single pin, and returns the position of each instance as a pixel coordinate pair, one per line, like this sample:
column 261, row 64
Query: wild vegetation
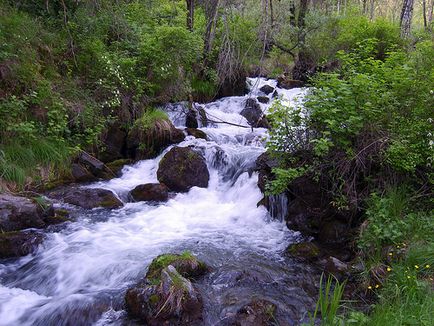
column 70, row 70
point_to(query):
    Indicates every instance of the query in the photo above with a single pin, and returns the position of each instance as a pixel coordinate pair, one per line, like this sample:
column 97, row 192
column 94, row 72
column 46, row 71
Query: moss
column 116, row 166
column 154, row 299
column 149, row 118
column 306, row 250
column 186, row 264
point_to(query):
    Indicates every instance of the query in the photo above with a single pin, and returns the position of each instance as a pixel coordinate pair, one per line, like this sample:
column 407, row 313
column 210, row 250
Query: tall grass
column 329, row 301
column 19, row 161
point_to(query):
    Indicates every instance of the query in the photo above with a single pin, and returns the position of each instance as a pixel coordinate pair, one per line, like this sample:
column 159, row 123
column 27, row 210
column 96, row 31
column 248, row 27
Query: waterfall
column 80, row 274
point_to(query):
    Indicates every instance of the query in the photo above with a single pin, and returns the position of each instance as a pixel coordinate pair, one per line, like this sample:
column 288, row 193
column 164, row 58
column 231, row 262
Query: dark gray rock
column 166, row 295
column 263, row 99
column 182, row 168
column 254, row 115
column 17, row 213
column 115, row 141
column 17, row 244
column 267, row 89
column 150, row 192
column 191, row 119
column 197, row 133
column 87, row 197
column 256, row 313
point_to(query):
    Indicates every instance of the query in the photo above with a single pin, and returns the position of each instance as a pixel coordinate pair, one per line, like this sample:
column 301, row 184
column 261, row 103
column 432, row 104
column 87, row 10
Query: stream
column 79, row 275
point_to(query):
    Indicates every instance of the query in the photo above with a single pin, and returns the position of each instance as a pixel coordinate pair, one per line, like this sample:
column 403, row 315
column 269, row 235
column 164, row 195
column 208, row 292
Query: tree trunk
column 211, row 9
column 406, row 16
column 430, row 15
column 292, row 13
column 190, row 15
column 302, row 13
column 371, row 15
column 425, row 23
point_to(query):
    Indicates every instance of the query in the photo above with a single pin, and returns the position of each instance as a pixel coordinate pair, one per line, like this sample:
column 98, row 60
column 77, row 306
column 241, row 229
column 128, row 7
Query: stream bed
column 81, row 272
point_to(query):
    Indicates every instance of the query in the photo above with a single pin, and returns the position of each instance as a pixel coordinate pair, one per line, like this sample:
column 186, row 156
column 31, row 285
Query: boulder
column 95, row 166
column 191, row 119
column 81, row 173
column 114, row 143
column 116, row 166
column 267, row 89
column 203, row 116
column 334, row 266
column 17, row 213
column 146, row 142
column 256, row 313
column 254, row 115
column 287, row 83
column 150, row 192
column 166, row 295
column 263, row 99
column 87, row 197
column 182, row 168
column 17, row 244
column 197, row 133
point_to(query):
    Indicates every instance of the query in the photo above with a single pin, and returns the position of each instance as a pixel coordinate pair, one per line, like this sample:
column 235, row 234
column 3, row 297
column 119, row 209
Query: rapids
column 81, row 272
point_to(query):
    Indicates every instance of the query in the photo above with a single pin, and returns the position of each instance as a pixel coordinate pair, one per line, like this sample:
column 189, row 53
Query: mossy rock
column 186, row 264
column 117, row 166
column 17, row 244
column 182, row 168
column 305, row 250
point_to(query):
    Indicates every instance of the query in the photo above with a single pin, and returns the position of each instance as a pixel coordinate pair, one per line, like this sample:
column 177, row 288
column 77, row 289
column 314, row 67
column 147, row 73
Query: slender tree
column 406, row 17
column 190, row 15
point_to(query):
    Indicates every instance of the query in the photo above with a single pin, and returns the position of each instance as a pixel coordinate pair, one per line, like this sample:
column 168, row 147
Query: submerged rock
column 166, row 295
column 263, row 99
column 182, row 168
column 17, row 244
column 254, row 115
column 196, row 133
column 267, row 89
column 150, row 192
column 304, row 250
column 256, row 313
column 87, row 197
column 17, row 213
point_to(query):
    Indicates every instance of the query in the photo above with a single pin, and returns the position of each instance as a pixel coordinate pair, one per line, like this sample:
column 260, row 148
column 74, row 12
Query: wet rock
column 60, row 216
column 267, row 89
column 182, row 168
column 264, row 165
column 81, row 173
column 186, row 264
column 17, row 213
column 257, row 313
column 95, row 166
column 191, row 119
column 116, row 166
column 166, row 295
column 146, row 142
column 114, row 140
column 233, row 87
column 287, row 83
column 87, row 197
column 17, row 244
column 304, row 250
column 335, row 267
column 254, row 115
column 150, row 192
column 263, row 99
column 275, row 94
column 196, row 133
column 203, row 117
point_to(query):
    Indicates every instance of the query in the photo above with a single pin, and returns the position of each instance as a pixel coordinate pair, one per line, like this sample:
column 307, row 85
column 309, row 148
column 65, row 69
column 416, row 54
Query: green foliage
column 149, row 117
column 329, row 301
column 371, row 111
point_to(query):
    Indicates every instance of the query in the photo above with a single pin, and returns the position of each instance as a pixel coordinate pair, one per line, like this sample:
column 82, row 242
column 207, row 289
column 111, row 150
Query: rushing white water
column 80, row 273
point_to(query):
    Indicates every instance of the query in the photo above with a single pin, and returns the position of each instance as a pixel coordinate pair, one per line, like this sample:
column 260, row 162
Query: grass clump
column 150, row 118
